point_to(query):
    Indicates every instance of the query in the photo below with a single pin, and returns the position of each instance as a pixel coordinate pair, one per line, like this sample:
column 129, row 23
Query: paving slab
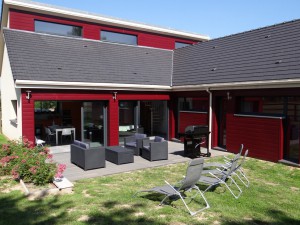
column 61, row 154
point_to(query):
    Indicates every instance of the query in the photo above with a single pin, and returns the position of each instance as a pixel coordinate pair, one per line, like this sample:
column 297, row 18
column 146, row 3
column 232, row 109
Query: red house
column 107, row 78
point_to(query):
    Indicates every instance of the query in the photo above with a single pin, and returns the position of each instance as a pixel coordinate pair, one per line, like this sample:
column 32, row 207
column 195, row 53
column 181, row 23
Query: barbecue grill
column 194, row 136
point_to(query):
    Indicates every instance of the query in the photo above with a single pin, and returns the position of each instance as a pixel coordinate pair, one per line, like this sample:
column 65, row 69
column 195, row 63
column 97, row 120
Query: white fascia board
column 56, row 11
column 88, row 86
column 288, row 83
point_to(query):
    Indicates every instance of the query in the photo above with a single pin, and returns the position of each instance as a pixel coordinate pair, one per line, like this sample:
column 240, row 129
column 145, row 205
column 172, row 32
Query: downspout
column 209, row 118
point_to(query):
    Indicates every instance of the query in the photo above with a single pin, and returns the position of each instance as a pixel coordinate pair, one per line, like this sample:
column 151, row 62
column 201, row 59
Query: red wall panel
column 25, row 21
column 191, row 118
column 262, row 136
column 113, row 122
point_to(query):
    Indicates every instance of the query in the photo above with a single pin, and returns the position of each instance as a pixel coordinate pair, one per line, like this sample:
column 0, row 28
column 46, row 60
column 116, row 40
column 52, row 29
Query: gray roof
column 43, row 57
column 270, row 53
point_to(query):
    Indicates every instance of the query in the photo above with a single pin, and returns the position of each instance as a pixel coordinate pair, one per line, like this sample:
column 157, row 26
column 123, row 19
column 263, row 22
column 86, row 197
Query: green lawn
column 3, row 139
column 272, row 198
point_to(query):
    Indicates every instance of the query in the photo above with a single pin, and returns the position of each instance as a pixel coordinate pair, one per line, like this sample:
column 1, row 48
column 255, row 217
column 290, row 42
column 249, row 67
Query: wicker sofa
column 87, row 158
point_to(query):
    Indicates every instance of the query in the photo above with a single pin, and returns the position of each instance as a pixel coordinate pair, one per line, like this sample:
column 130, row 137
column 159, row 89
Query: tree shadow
column 279, row 218
column 18, row 210
column 114, row 215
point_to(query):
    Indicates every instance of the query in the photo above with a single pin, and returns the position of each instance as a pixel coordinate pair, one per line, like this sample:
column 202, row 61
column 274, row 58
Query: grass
column 3, row 139
column 272, row 198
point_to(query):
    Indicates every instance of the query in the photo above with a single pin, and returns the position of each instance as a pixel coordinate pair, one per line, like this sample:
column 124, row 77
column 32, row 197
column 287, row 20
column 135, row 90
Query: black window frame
column 184, row 44
column 57, row 33
column 121, row 34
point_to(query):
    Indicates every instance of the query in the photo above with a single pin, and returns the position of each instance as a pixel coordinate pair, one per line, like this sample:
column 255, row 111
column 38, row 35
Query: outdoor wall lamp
column 228, row 96
column 28, row 95
column 114, row 95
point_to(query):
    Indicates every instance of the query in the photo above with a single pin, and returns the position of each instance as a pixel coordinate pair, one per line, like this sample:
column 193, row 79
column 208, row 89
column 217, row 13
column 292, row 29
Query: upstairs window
column 56, row 28
column 180, row 44
column 118, row 37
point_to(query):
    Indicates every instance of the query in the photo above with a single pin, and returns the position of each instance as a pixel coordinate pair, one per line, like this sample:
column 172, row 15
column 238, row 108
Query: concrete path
column 61, row 154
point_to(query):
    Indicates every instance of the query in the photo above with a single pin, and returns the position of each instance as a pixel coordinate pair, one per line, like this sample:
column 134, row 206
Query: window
column 118, row 37
column 180, row 44
column 59, row 29
column 193, row 104
column 46, row 106
column 15, row 107
column 262, row 105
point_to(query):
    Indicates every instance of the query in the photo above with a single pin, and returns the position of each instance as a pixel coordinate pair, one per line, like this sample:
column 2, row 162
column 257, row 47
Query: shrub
column 32, row 164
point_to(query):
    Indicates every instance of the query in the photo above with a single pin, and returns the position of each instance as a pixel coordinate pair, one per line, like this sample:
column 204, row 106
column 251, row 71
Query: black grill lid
column 196, row 129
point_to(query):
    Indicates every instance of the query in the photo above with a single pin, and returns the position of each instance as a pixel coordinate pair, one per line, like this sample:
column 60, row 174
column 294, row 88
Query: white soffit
column 88, row 86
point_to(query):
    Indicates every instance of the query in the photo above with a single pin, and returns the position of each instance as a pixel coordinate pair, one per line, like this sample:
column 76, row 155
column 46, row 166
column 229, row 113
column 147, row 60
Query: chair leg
column 241, row 172
column 202, row 195
column 240, row 190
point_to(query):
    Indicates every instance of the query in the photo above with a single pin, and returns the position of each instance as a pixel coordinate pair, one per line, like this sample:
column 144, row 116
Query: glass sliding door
column 292, row 149
column 154, row 118
column 149, row 117
column 128, row 119
column 93, row 123
column 221, row 112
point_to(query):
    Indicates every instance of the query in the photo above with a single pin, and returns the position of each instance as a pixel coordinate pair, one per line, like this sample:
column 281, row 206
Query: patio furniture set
column 199, row 172
column 86, row 157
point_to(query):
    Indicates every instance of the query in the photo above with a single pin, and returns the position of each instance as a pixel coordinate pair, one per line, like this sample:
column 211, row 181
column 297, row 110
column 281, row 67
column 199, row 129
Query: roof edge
column 287, row 83
column 88, row 86
column 79, row 15
column 240, row 85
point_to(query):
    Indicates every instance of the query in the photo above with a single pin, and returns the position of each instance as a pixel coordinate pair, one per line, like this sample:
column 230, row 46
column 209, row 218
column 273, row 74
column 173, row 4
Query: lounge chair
column 193, row 174
column 237, row 172
column 221, row 178
column 227, row 160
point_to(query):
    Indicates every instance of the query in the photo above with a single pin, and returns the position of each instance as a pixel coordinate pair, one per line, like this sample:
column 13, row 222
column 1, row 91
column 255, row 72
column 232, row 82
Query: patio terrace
column 61, row 154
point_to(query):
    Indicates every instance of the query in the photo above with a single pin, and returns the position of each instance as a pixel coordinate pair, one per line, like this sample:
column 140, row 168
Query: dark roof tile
column 45, row 57
column 248, row 56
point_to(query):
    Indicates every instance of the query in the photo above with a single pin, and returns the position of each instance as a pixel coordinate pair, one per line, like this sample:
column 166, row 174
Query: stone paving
column 61, row 154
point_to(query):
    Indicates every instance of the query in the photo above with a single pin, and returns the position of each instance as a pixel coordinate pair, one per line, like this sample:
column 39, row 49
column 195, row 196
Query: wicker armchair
column 135, row 142
column 156, row 149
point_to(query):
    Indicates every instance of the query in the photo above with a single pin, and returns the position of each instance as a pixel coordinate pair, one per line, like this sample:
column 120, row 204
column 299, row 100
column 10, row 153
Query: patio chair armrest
column 146, row 142
column 129, row 139
column 159, row 146
column 171, row 186
column 226, row 158
column 213, row 175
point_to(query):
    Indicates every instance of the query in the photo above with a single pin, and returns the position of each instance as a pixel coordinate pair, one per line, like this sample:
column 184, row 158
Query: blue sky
column 215, row 18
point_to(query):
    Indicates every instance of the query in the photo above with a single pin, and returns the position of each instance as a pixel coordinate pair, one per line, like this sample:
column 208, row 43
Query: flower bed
column 33, row 164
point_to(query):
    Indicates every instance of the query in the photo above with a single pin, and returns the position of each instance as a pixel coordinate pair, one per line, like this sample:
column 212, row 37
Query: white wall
column 9, row 93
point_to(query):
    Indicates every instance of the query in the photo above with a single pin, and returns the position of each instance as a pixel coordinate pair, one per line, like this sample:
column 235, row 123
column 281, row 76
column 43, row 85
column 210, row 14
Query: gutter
column 209, row 118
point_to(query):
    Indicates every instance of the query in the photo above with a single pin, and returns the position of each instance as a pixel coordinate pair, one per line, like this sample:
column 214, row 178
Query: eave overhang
column 287, row 83
column 29, row 84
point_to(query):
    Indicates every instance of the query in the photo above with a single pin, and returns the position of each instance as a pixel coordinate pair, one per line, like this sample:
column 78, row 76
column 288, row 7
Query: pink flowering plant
column 32, row 164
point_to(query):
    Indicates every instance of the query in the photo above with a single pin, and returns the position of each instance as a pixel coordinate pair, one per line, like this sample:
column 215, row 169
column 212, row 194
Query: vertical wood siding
column 65, row 95
column 262, row 136
column 191, row 118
